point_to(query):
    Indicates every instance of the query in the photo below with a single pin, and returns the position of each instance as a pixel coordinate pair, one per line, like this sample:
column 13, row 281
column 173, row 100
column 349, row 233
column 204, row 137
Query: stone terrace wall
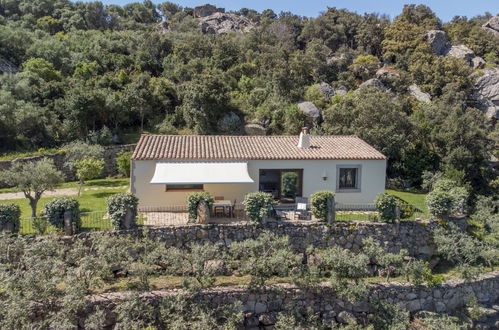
column 261, row 308
column 110, row 168
column 413, row 236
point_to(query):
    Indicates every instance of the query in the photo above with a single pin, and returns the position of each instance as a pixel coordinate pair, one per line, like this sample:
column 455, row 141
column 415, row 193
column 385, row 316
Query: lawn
column 93, row 197
column 415, row 199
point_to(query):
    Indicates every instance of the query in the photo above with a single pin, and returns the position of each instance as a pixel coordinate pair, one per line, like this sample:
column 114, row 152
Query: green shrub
column 439, row 203
column 193, row 201
column 257, row 205
column 418, row 272
column 318, row 203
column 444, row 185
column 385, row 204
column 10, row 214
column 123, row 162
column 55, row 209
column 117, row 207
column 267, row 256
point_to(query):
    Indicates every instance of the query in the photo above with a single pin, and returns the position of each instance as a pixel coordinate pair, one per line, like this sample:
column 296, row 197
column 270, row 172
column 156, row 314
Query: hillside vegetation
column 95, row 72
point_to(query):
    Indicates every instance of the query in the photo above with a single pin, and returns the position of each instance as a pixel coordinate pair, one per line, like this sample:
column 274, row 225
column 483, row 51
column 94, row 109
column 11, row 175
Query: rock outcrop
column 326, row 89
column 438, row 41
column 385, row 73
column 463, row 52
column 219, row 23
column 374, row 83
column 487, row 92
column 229, row 123
column 477, row 62
column 492, row 26
column 342, row 90
column 255, row 129
column 440, row 45
column 206, row 10
column 418, row 94
column 7, row 67
column 309, row 110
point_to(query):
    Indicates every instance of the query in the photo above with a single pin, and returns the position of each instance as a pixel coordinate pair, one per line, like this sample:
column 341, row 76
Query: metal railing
column 178, row 215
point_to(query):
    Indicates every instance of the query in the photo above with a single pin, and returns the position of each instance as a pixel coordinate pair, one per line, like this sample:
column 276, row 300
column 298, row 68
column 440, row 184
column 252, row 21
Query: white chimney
column 304, row 141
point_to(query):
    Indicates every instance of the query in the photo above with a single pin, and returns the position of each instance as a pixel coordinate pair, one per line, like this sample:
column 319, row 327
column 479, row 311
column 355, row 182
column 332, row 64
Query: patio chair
column 302, row 210
column 219, row 211
column 279, row 215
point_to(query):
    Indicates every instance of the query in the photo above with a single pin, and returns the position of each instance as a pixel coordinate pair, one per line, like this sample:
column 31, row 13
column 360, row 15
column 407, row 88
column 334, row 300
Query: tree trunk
column 80, row 186
column 32, row 203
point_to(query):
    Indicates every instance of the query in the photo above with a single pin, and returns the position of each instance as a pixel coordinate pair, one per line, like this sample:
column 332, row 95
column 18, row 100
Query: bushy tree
column 267, row 256
column 33, row 179
column 88, row 169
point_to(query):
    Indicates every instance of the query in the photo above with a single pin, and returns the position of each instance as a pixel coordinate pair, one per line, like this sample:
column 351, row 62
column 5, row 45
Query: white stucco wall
column 372, row 181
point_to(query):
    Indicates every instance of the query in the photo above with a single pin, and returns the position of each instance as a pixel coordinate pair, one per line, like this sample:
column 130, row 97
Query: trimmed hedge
column 193, row 201
column 10, row 214
column 257, row 205
column 318, row 203
column 55, row 209
column 117, row 207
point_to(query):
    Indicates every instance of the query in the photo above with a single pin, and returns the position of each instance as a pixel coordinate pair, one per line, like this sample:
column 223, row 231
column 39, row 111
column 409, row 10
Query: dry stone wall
column 414, row 236
column 261, row 308
column 110, row 167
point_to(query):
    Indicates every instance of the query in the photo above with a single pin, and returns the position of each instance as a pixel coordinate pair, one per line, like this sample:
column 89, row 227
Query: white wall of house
column 372, row 181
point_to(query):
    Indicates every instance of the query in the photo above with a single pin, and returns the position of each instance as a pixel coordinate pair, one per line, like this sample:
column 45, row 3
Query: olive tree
column 33, row 179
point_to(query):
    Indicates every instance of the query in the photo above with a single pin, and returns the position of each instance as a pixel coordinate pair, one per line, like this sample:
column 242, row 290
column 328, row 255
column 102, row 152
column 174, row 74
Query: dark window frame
column 358, row 177
column 184, row 187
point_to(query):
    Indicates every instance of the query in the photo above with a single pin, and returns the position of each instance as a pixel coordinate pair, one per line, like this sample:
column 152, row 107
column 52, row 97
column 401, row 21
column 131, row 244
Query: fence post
column 331, row 210
column 129, row 221
column 68, row 224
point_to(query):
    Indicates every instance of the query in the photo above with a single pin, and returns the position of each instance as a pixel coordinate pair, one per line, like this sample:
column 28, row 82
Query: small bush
column 117, row 207
column 439, row 203
column 55, row 209
column 385, row 204
column 257, row 205
column 193, row 201
column 10, row 214
column 318, row 203
column 123, row 162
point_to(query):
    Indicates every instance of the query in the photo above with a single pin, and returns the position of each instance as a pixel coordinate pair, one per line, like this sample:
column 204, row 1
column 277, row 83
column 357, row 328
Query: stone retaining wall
column 261, row 308
column 414, row 236
column 110, row 168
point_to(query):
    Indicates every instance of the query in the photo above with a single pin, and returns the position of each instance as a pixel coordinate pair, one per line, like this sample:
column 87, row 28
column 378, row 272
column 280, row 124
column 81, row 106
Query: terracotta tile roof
column 225, row 147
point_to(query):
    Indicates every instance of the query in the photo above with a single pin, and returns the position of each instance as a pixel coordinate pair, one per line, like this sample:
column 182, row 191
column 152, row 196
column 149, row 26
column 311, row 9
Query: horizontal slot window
column 184, row 187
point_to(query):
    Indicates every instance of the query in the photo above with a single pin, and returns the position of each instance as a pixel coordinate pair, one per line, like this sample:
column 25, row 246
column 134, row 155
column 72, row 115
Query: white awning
column 201, row 172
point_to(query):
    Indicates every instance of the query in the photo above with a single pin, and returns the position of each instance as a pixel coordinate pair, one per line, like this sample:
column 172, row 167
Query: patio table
column 226, row 204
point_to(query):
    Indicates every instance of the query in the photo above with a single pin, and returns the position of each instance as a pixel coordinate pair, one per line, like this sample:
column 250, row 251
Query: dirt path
column 53, row 193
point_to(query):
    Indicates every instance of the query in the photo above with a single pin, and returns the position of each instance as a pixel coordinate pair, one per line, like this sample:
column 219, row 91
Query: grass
column 415, row 199
column 99, row 183
column 92, row 199
column 164, row 282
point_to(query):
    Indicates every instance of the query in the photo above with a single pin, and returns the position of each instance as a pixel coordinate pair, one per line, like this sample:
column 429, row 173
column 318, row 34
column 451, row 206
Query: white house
column 166, row 168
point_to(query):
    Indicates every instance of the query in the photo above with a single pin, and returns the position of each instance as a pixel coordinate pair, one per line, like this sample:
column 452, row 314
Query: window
column 348, row 177
column 184, row 187
column 284, row 185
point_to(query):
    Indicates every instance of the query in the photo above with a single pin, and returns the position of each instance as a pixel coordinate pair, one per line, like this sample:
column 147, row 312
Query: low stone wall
column 261, row 308
column 110, row 168
column 414, row 236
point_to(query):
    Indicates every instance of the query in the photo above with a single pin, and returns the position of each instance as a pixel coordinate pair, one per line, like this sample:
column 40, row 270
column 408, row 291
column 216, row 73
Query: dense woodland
column 93, row 72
